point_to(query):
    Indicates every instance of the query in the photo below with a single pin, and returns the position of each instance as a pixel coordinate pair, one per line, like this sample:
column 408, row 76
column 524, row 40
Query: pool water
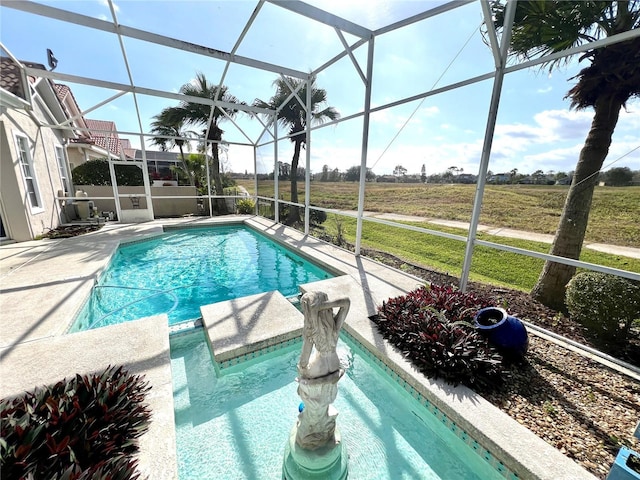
column 235, row 426
column 178, row 272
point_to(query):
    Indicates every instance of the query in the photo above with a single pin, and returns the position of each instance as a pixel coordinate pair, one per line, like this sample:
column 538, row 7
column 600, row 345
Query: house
column 500, row 178
column 88, row 145
column 34, row 168
column 386, row 179
column 105, row 135
column 159, row 164
column 466, row 178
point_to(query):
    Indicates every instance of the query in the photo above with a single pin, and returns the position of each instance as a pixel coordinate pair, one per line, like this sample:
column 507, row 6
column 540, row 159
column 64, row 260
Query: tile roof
column 62, row 91
column 10, row 78
column 109, row 141
column 67, row 99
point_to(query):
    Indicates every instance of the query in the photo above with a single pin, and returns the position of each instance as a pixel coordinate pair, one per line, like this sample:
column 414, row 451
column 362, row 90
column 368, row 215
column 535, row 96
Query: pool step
column 238, row 327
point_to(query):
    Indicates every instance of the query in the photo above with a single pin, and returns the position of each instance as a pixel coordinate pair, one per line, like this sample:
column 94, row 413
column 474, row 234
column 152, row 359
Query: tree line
column 616, row 177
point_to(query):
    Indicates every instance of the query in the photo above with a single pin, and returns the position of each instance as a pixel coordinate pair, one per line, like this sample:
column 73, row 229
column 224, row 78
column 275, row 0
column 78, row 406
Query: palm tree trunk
column 294, row 212
column 551, row 285
column 221, row 203
column 192, row 181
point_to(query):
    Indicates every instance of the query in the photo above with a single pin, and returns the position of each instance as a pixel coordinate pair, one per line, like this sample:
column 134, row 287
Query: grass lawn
column 446, row 255
column 614, row 218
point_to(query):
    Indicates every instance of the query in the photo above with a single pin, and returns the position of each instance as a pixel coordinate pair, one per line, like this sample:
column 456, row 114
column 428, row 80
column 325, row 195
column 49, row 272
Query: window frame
column 25, row 159
column 61, row 159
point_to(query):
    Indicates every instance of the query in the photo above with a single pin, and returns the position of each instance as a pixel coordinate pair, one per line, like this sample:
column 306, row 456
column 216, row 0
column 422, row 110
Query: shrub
column 246, row 206
column 84, row 428
column 96, row 172
column 432, row 326
column 317, row 217
column 605, row 304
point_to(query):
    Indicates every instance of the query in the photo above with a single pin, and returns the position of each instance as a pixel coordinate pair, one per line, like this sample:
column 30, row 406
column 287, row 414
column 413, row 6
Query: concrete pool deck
column 44, row 283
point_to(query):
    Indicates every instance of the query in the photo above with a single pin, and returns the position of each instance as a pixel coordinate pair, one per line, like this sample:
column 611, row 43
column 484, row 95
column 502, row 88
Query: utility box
column 626, row 466
column 627, row 463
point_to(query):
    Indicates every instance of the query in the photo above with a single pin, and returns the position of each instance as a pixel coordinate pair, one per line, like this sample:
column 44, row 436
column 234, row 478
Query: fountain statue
column 315, row 449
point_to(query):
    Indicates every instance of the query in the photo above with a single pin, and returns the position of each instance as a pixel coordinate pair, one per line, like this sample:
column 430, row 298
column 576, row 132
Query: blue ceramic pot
column 504, row 331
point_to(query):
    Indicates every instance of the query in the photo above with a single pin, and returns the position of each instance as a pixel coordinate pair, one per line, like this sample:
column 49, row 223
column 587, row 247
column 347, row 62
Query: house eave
column 8, row 99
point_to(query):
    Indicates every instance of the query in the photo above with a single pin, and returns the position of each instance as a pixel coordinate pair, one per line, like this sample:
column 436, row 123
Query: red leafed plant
column 432, row 326
column 83, row 428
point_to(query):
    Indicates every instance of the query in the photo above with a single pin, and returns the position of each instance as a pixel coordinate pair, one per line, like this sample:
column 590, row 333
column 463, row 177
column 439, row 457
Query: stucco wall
column 14, row 216
column 21, row 221
column 162, row 207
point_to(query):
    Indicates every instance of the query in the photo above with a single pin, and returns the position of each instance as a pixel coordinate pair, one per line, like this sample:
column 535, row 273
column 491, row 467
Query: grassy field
column 614, row 218
column 446, row 255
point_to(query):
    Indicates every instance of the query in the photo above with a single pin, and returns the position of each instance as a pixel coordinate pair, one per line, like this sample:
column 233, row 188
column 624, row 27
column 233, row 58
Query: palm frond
column 543, row 27
column 291, row 113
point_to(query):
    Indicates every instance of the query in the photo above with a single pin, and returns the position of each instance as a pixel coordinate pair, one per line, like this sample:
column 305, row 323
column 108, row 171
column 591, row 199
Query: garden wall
column 162, row 207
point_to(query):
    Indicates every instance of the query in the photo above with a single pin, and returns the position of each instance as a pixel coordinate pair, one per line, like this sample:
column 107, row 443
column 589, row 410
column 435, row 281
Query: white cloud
column 556, row 138
column 565, row 124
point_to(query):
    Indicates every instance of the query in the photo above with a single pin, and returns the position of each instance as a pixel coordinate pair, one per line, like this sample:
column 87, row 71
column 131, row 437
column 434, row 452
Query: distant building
column 528, row 180
column 499, row 178
column 466, row 178
column 159, row 163
column 386, row 179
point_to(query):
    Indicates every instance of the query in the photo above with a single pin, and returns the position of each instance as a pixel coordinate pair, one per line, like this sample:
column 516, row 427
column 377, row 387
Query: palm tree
column 606, row 84
column 196, row 163
column 198, row 114
column 293, row 116
column 162, row 125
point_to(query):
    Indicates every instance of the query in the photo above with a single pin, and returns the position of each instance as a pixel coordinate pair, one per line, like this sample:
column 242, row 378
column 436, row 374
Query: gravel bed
column 582, row 408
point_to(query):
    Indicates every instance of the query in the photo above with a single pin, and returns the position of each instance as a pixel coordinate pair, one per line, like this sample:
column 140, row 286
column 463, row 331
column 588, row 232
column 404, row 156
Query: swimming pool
column 236, row 425
column 181, row 270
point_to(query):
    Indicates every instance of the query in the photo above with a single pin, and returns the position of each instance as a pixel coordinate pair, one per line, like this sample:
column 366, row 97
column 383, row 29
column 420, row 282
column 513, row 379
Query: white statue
column 319, row 369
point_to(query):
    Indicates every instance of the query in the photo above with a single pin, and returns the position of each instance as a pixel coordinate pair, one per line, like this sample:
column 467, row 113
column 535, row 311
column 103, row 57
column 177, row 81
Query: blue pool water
column 178, row 272
column 235, row 426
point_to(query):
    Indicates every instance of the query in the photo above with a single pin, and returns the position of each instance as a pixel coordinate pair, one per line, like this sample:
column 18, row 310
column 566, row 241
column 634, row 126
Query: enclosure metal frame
column 499, row 48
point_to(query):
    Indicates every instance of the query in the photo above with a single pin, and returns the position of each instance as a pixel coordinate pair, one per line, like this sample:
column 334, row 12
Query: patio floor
column 44, row 283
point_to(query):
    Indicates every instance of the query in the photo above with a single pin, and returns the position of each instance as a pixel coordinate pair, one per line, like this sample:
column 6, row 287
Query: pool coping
column 230, row 325
column 58, row 275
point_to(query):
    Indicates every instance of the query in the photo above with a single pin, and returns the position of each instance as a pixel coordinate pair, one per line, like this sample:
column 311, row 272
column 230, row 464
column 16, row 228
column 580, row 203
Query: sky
column 535, row 128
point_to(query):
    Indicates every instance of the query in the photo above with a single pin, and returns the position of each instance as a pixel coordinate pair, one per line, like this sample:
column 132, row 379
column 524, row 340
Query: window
column 28, row 173
column 62, row 166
